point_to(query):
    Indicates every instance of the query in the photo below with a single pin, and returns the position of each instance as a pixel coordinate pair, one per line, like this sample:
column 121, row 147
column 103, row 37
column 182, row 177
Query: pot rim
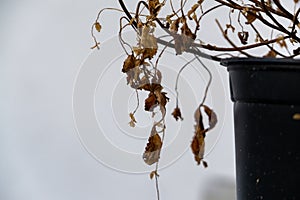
column 265, row 64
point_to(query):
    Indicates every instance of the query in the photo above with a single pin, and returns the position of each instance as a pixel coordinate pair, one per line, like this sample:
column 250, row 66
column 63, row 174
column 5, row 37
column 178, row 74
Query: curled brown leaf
column 153, row 173
column 129, row 63
column 243, row 36
column 98, row 27
column 198, row 142
column 151, row 102
column 192, row 11
column 177, row 114
column 250, row 16
column 132, row 120
column 270, row 54
column 152, row 150
column 212, row 117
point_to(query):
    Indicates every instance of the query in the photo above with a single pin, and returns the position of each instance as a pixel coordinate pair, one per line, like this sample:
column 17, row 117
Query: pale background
column 43, row 46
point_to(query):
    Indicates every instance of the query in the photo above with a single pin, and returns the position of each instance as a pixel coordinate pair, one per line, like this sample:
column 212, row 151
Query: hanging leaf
column 129, row 63
column 148, row 43
column 152, row 150
column 98, row 27
column 229, row 26
column 132, row 120
column 154, row 7
column 177, row 114
column 175, row 25
column 156, row 96
column 151, row 102
column 198, row 143
column 280, row 40
column 157, row 78
column 192, row 11
column 153, row 173
column 296, row 51
column 243, row 36
column 250, row 16
column 188, row 36
column 270, row 54
column 161, row 98
column 97, row 44
column 178, row 43
column 212, row 117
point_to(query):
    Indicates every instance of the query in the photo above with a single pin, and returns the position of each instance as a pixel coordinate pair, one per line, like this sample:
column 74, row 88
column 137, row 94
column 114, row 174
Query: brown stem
column 236, row 48
column 269, row 14
column 287, row 13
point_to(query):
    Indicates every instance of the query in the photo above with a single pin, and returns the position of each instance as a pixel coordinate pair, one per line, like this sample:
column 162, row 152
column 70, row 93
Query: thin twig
column 209, row 80
column 177, row 78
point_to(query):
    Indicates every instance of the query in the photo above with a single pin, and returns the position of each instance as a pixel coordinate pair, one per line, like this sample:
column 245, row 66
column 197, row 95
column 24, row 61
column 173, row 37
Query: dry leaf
column 270, row 54
column 129, row 63
column 296, row 51
column 250, row 16
column 152, row 150
column 175, row 25
column 153, row 173
column 212, row 117
column 280, row 40
column 200, row 1
column 97, row 26
column 132, row 120
column 198, row 143
column 156, row 96
column 161, row 97
column 199, row 119
column 243, row 36
column 151, row 102
column 205, row 165
column 177, row 114
column 151, row 87
column 154, row 7
column 148, row 43
column 188, row 36
column 178, row 43
column 192, row 11
column 229, row 26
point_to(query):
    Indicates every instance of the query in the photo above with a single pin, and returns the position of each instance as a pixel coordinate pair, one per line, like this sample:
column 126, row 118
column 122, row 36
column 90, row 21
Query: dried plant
column 252, row 27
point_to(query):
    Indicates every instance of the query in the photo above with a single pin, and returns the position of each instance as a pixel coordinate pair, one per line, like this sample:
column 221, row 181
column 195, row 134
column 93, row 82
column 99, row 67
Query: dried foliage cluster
column 253, row 18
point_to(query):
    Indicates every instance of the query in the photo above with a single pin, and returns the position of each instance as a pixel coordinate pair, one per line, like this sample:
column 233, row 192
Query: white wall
column 44, row 45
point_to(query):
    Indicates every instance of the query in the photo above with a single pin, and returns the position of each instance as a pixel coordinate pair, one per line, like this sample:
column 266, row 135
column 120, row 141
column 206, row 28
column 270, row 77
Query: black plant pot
column 266, row 96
